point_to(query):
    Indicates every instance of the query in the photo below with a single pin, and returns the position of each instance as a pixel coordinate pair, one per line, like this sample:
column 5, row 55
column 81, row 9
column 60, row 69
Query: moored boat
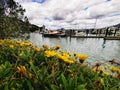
column 54, row 34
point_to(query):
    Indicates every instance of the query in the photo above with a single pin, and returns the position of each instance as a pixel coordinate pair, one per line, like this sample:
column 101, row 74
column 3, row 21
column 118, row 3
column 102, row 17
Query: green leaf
column 81, row 77
column 64, row 81
column 7, row 63
column 115, row 87
column 106, row 88
column 53, row 87
column 43, row 69
column 33, row 68
column 7, row 71
column 6, row 87
column 69, row 70
column 72, row 83
column 81, row 87
column 29, row 85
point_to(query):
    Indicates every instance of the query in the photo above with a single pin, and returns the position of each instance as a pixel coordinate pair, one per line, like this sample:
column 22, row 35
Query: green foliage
column 13, row 23
column 12, row 27
column 25, row 66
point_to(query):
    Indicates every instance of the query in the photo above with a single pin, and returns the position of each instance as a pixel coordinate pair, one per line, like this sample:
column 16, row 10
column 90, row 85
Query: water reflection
column 97, row 49
column 103, row 45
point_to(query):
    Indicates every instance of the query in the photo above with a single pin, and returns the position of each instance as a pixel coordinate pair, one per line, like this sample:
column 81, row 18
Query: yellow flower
column 45, row 46
column 18, row 69
column 30, row 75
column 66, row 54
column 27, row 43
column 97, row 69
column 21, row 70
column 59, row 56
column 118, row 71
column 36, row 49
column 105, row 67
column 20, row 54
column 31, row 61
column 11, row 46
column 112, row 68
column 57, row 47
column 106, row 73
column 18, row 42
column 65, row 57
column 50, row 53
column 1, row 43
column 82, row 56
column 99, row 83
column 21, row 44
column 71, row 61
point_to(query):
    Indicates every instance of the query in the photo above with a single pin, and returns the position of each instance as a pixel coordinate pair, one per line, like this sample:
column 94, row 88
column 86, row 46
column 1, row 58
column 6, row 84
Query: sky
column 72, row 14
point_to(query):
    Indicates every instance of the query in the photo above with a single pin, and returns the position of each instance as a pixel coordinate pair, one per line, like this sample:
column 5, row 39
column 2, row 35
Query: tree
column 13, row 23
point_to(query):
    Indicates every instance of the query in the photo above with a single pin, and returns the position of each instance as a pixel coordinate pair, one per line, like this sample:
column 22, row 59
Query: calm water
column 96, row 49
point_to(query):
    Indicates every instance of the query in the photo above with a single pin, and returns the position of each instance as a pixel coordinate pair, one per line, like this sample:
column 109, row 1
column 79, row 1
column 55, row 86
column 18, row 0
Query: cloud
column 104, row 9
column 72, row 13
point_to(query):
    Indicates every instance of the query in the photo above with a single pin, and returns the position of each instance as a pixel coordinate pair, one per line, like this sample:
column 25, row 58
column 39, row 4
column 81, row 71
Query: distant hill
column 118, row 25
column 32, row 27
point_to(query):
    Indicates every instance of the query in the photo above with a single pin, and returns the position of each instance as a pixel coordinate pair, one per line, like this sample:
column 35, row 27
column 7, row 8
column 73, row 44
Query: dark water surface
column 96, row 48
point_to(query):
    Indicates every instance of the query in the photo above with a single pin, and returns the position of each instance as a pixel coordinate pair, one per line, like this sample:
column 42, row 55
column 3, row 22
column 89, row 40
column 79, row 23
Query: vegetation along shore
column 24, row 65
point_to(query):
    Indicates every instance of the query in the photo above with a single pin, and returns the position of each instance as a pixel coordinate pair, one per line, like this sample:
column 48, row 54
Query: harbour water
column 97, row 49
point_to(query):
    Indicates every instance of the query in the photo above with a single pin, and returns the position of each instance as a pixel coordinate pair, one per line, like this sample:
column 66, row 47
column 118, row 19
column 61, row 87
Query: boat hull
column 53, row 35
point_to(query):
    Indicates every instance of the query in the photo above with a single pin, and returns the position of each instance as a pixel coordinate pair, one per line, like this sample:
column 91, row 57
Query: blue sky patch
column 39, row 1
column 48, row 19
column 85, row 8
column 114, row 14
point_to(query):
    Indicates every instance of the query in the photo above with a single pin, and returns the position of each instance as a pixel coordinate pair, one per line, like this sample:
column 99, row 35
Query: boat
column 54, row 34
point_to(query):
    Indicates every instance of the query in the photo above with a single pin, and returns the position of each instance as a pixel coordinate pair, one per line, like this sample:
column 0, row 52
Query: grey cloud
column 58, row 18
column 72, row 13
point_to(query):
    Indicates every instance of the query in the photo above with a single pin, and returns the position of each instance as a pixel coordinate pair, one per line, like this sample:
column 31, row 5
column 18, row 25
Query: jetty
column 109, row 33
